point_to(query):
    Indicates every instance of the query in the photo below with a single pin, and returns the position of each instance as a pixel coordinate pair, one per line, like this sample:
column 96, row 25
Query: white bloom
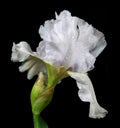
column 70, row 42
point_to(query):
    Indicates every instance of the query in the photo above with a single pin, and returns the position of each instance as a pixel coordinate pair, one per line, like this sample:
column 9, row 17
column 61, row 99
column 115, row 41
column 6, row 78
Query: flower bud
column 41, row 95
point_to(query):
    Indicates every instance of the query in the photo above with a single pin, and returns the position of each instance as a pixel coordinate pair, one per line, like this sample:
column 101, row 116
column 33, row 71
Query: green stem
column 39, row 122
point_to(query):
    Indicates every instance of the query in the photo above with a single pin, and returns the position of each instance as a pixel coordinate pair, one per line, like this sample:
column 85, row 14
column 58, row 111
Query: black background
column 21, row 22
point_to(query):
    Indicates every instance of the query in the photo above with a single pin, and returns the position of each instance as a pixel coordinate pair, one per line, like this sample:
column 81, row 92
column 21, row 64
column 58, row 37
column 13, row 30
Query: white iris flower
column 70, row 42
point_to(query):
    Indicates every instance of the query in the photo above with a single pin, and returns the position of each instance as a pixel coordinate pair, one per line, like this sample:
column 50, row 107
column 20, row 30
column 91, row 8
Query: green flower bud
column 41, row 95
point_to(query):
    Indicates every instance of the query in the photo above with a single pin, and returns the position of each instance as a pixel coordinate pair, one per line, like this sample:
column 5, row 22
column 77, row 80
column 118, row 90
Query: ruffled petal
column 81, row 61
column 30, row 61
column 45, row 31
column 50, row 52
column 20, row 52
column 87, row 94
column 72, row 42
column 99, row 47
column 58, row 34
column 62, row 29
column 91, row 39
column 89, row 45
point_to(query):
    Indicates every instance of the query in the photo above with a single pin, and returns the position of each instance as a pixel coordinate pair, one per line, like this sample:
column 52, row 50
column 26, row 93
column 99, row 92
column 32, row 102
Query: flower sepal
column 55, row 74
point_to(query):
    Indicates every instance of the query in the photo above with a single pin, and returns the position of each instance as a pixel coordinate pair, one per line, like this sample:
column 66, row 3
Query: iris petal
column 87, row 94
column 26, row 65
column 72, row 38
column 22, row 53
